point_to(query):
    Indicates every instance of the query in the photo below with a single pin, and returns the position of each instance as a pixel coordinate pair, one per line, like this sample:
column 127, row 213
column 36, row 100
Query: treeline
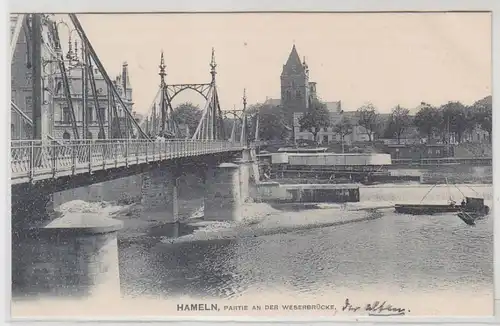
column 429, row 122
column 452, row 119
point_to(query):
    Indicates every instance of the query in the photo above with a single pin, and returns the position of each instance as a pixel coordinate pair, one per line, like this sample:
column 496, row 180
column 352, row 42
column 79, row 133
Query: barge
column 467, row 209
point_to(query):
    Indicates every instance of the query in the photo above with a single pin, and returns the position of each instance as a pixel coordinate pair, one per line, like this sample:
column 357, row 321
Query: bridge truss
column 161, row 120
column 43, row 48
column 243, row 121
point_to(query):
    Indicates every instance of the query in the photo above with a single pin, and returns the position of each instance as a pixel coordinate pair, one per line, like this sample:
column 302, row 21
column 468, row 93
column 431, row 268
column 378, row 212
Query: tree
column 369, row 119
column 428, row 121
column 343, row 128
column 272, row 121
column 483, row 114
column 399, row 121
column 455, row 119
column 315, row 118
column 188, row 114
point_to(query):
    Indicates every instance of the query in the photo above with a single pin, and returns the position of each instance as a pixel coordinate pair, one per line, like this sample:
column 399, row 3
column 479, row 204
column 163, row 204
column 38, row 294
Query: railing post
column 55, row 150
column 161, row 150
column 126, row 153
column 89, row 154
column 73, row 157
column 137, row 153
column 104, row 152
column 115, row 152
column 153, row 150
column 32, row 160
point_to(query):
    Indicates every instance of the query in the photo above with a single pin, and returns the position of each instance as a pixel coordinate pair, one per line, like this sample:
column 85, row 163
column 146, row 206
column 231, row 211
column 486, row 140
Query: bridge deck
column 33, row 160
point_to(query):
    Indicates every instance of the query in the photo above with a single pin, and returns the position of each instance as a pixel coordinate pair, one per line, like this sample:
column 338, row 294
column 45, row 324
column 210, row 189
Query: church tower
column 295, row 84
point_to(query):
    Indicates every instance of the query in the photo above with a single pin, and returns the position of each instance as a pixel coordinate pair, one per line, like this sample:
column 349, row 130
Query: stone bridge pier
column 76, row 254
column 222, row 187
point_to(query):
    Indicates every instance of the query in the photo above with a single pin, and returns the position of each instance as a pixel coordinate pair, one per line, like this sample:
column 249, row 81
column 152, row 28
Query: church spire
column 293, row 58
column 293, row 64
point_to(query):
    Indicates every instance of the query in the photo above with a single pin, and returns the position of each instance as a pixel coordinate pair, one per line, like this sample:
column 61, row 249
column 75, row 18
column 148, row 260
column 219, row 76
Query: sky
column 383, row 58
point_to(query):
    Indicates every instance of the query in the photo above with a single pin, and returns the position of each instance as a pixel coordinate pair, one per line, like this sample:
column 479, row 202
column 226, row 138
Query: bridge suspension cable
column 105, row 75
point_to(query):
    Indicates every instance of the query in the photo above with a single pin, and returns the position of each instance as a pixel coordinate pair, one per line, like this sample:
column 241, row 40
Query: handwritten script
column 376, row 308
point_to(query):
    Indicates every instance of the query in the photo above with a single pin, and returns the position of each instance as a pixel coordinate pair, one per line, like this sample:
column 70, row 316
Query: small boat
column 467, row 218
column 474, row 210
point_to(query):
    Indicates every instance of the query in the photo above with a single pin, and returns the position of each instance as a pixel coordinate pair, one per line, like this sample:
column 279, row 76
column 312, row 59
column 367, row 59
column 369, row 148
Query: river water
column 431, row 265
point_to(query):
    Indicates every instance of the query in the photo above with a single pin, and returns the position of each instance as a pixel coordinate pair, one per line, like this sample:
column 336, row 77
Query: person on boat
column 452, row 202
column 462, row 203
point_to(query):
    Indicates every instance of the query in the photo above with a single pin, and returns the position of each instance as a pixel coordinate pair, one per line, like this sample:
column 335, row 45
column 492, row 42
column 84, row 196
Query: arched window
column 89, row 135
column 101, row 135
column 298, row 94
column 66, row 135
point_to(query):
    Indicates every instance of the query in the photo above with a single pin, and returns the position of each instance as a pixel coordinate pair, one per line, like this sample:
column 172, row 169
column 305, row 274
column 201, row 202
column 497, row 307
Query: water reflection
column 151, row 267
column 422, row 252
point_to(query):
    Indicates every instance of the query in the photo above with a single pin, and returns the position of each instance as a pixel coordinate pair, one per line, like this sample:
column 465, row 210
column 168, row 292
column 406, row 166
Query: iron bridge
column 35, row 160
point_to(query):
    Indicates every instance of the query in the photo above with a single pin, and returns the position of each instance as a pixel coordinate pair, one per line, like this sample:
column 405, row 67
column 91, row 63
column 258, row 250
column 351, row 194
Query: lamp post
column 342, row 130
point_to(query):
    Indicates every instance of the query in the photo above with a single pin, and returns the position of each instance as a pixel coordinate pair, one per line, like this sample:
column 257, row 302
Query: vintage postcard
column 251, row 164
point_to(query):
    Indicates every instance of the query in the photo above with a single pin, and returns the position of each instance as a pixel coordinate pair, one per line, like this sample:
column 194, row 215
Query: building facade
column 62, row 113
column 328, row 135
column 297, row 92
column 22, row 84
column 296, row 89
column 56, row 113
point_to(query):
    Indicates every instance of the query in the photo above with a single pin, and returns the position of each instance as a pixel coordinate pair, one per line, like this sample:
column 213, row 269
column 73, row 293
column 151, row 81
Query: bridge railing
column 35, row 159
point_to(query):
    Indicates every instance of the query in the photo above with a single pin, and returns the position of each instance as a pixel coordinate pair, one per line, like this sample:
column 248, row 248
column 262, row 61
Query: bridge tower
column 210, row 126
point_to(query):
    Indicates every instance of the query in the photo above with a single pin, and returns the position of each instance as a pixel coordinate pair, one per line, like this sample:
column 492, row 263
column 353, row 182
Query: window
column 298, row 94
column 29, row 105
column 90, row 114
column 325, row 129
column 438, row 152
column 325, row 139
column 66, row 135
column 66, row 116
column 102, row 113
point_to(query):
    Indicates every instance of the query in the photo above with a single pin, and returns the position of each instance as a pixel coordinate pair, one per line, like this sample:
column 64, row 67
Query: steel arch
column 175, row 89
